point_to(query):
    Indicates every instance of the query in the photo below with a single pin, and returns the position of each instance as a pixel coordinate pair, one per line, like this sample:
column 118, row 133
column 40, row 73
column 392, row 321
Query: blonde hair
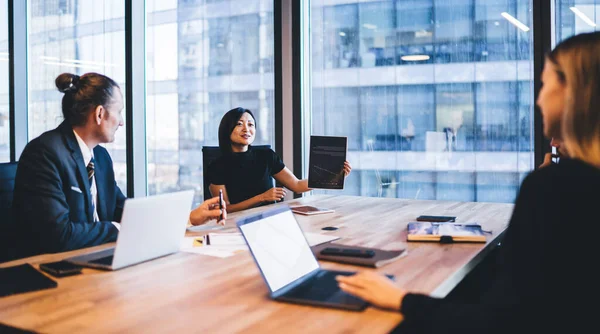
column 577, row 62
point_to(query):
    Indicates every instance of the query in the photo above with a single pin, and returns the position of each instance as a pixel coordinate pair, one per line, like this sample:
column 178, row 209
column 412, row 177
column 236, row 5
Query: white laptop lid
column 278, row 246
column 151, row 227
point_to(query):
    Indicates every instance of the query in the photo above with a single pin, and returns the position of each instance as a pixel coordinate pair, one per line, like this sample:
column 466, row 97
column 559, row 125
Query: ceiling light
column 582, row 16
column 370, row 26
column 415, row 57
column 342, row 33
column 70, row 64
column 73, row 62
column 514, row 21
column 87, row 62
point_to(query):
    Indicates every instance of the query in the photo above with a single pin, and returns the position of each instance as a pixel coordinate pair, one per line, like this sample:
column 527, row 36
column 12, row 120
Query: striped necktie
column 90, row 171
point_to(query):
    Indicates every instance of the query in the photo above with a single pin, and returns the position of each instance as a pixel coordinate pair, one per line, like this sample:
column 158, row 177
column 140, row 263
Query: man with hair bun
column 66, row 196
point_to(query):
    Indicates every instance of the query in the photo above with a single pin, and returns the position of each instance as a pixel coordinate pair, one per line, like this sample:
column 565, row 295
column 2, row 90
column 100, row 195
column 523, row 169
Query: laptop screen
column 280, row 248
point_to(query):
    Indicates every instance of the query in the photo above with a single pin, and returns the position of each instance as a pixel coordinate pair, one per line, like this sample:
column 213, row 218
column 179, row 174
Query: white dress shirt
column 87, row 157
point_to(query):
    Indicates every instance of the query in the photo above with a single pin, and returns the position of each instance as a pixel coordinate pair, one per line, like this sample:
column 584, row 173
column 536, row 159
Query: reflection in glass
column 203, row 59
column 75, row 37
column 455, row 125
column 576, row 16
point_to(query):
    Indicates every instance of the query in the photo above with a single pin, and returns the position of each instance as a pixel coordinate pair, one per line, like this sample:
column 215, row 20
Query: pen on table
column 221, row 204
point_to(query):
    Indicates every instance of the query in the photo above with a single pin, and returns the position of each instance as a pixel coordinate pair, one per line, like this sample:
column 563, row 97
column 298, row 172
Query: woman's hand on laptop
column 373, row 288
column 208, row 211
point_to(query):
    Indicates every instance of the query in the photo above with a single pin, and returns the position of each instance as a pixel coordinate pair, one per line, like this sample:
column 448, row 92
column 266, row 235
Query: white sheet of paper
column 318, row 238
column 236, row 238
column 205, row 227
column 226, row 238
column 228, row 244
column 221, row 251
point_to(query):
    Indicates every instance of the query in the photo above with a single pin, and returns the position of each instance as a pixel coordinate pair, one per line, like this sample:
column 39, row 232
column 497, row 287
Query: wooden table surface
column 187, row 292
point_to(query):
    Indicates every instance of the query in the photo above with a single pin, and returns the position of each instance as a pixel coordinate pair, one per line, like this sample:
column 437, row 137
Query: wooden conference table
column 187, row 292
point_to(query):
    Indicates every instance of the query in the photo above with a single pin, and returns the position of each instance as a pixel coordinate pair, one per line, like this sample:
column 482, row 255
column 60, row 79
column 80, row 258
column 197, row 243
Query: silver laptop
column 289, row 266
column 151, row 227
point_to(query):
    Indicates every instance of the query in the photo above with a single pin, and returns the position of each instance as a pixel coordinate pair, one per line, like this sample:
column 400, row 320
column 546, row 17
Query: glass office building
column 435, row 96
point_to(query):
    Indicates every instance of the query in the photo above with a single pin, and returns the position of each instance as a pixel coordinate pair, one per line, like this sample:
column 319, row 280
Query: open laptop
column 151, row 227
column 288, row 265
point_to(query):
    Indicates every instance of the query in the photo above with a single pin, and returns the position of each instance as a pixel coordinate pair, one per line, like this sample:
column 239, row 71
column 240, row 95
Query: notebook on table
column 287, row 264
column 23, row 278
column 379, row 259
column 309, row 210
column 7, row 329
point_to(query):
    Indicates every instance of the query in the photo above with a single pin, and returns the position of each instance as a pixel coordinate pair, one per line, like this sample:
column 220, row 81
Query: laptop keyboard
column 321, row 287
column 107, row 260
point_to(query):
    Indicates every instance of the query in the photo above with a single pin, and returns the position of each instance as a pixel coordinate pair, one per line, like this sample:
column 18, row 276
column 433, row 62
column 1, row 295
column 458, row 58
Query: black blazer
column 545, row 274
column 52, row 199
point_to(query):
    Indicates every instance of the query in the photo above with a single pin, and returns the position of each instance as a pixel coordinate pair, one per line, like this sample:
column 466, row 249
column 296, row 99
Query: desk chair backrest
column 209, row 155
column 8, row 171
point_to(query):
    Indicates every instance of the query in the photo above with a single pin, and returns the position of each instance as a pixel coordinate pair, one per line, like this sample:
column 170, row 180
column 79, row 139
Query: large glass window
column 204, row 57
column 435, row 96
column 76, row 36
column 576, row 16
column 4, row 85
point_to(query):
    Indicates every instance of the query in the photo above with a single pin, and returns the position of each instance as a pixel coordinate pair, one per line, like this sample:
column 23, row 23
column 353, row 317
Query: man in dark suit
column 65, row 195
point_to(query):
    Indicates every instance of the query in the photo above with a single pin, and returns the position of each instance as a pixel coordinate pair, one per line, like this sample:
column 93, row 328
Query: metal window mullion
column 135, row 82
column 542, row 43
column 284, row 44
column 18, row 97
column 301, row 84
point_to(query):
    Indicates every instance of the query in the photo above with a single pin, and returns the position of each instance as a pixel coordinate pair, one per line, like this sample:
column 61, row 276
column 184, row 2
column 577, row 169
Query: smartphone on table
column 60, row 268
column 437, row 219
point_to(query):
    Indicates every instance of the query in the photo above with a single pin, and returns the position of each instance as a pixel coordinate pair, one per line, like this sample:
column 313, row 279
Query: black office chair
column 209, row 155
column 8, row 171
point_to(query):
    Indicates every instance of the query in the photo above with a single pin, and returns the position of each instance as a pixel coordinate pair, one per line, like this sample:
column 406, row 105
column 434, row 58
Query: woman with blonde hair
column 545, row 271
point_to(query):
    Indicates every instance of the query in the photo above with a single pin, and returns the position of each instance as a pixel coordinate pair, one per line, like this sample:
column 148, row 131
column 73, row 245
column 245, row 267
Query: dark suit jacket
column 52, row 216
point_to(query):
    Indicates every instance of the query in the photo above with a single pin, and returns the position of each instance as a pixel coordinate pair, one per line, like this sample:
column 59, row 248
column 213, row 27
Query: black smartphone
column 348, row 252
column 61, row 268
column 221, row 204
column 436, row 219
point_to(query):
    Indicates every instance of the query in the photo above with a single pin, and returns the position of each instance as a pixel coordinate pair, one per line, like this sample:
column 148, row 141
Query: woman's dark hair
column 228, row 123
column 83, row 93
